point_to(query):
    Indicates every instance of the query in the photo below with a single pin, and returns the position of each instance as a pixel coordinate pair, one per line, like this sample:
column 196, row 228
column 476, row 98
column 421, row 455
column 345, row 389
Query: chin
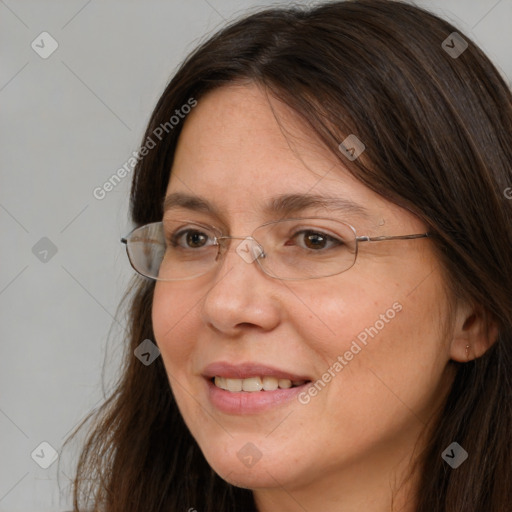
column 247, row 467
column 248, row 478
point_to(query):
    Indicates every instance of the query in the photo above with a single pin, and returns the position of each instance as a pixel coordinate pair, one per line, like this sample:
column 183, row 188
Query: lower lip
column 245, row 402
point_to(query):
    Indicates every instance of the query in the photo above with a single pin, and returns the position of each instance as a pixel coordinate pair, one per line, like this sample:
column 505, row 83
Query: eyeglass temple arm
column 396, row 237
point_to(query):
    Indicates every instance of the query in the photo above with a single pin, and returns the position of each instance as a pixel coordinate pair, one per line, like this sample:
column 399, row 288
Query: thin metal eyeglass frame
column 362, row 238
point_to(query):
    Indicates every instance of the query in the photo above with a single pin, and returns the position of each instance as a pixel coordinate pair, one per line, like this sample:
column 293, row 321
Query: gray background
column 68, row 123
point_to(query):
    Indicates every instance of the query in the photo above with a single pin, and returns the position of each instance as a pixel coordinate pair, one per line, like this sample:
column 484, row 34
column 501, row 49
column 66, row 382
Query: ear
column 473, row 334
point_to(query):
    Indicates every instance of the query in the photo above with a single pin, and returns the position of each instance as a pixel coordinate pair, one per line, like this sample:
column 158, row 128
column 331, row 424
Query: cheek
column 172, row 311
column 386, row 356
column 330, row 321
column 175, row 326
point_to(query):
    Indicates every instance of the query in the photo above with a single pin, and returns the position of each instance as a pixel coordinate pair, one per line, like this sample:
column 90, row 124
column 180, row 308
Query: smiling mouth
column 255, row 384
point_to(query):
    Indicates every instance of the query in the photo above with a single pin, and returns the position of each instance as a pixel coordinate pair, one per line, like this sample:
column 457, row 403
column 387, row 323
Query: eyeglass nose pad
column 250, row 250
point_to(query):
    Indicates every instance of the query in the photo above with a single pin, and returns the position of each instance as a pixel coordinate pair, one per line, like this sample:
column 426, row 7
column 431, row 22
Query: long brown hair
column 438, row 136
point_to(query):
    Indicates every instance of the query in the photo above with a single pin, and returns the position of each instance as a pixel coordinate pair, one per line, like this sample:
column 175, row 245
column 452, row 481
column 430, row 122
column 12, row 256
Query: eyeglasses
column 288, row 249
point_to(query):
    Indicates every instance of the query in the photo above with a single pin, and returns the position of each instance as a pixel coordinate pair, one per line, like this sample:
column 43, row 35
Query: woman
column 325, row 231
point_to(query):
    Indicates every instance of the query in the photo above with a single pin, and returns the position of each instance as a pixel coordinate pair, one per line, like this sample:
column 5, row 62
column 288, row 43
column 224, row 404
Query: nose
column 242, row 295
column 249, row 250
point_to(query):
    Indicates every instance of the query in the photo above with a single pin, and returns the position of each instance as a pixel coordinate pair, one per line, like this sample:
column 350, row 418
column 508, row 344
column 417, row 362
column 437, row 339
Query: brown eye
column 193, row 239
column 316, row 240
column 196, row 239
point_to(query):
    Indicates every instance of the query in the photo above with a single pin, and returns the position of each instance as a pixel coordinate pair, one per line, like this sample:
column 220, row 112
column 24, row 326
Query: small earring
column 467, row 352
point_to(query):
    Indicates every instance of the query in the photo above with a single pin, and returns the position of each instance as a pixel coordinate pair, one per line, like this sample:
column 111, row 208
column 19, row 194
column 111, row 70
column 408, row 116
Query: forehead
column 240, row 127
column 234, row 153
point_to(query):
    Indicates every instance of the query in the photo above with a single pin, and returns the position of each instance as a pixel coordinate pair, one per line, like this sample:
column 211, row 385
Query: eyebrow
column 284, row 204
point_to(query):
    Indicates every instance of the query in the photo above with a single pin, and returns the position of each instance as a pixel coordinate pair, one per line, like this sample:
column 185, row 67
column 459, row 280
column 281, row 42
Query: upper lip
column 248, row 369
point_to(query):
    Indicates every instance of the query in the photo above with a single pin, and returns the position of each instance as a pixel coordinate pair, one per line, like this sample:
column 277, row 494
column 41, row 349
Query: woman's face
column 379, row 320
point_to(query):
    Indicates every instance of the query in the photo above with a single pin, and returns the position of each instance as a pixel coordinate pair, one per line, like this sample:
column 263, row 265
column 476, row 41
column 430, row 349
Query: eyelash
column 174, row 238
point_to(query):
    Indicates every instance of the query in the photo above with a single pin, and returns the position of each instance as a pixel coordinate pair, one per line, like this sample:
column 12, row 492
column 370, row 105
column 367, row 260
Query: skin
column 351, row 446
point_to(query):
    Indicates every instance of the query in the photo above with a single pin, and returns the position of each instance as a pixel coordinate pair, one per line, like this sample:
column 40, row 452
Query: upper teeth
column 255, row 383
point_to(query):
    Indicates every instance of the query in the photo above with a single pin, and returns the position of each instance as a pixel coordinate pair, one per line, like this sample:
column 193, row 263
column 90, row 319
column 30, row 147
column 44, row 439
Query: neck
column 384, row 482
